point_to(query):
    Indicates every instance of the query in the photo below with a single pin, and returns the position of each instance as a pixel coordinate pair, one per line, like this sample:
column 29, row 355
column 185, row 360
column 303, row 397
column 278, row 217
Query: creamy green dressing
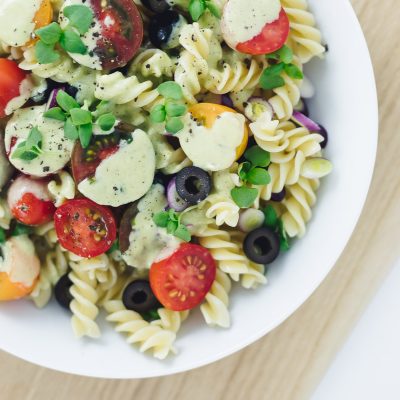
column 213, row 149
column 125, row 176
column 149, row 243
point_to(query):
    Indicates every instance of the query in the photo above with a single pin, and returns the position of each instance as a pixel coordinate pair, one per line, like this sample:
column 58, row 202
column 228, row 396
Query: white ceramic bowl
column 346, row 104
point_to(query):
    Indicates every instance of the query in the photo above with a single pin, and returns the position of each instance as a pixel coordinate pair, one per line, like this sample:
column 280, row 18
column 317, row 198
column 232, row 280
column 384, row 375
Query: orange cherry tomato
column 43, row 17
column 13, row 290
column 208, row 113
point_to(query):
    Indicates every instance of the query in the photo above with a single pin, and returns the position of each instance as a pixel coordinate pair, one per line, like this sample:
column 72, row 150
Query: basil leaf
column 269, row 82
column 21, row 229
column 66, row 102
column 55, row 113
column 158, row 113
column 71, row 42
column 174, row 125
column 79, row 17
column 196, row 9
column 106, row 122
column 173, row 215
column 271, row 217
column 170, row 90
column 243, row 169
column 214, row 10
column 293, row 71
column 34, row 139
column 284, row 241
column 257, row 156
column 151, row 315
column 172, row 226
column 45, row 53
column 80, row 117
column 2, row 236
column 258, row 176
column 85, row 134
column 243, row 196
column 49, row 34
column 70, row 131
column 183, row 233
column 175, row 109
column 284, row 54
column 161, row 219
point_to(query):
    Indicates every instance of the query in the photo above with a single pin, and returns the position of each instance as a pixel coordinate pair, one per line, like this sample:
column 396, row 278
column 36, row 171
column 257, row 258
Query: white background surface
column 368, row 365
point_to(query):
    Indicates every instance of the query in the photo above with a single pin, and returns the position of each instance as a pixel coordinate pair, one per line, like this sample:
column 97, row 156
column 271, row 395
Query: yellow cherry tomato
column 43, row 17
column 208, row 113
column 12, row 290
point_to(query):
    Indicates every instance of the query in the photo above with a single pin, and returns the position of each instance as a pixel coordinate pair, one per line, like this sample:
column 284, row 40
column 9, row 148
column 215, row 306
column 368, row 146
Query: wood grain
column 289, row 362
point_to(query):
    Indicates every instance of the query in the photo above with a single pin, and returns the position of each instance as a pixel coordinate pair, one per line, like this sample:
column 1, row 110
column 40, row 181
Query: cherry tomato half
column 85, row 228
column 208, row 113
column 272, row 37
column 11, row 77
column 29, row 201
column 122, row 31
column 182, row 281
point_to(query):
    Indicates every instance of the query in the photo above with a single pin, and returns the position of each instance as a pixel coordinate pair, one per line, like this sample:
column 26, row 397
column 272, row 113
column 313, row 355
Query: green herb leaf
column 258, row 176
column 284, row 241
column 257, row 156
column 293, row 71
column 34, row 139
column 106, row 122
column 174, row 125
column 71, row 42
column 45, row 53
column 85, row 134
column 80, row 117
column 66, row 102
column 243, row 170
column 170, row 90
column 29, row 149
column 284, row 54
column 161, row 219
column 49, row 34
column 21, row 229
column 197, row 9
column 70, row 131
column 55, row 113
column 214, row 10
column 243, row 196
column 2, row 236
column 269, row 82
column 173, row 216
column 158, row 113
column 183, row 233
column 79, row 17
column 22, row 153
column 175, row 109
column 271, row 217
column 172, row 226
column 151, row 315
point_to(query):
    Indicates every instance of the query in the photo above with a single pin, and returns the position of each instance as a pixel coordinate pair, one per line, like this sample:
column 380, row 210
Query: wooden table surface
column 289, row 362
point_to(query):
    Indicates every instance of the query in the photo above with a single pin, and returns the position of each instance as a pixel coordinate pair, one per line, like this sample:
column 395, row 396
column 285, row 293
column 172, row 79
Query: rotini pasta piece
column 139, row 331
column 237, row 73
column 55, row 266
column 178, row 161
column 117, row 88
column 286, row 97
column 5, row 214
column 305, row 38
column 170, row 320
column 83, row 305
column 152, row 62
column 300, row 199
column 62, row 188
column 228, row 254
column 215, row 307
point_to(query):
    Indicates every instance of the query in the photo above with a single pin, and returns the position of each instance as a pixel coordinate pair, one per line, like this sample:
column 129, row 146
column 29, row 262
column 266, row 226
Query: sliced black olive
column 125, row 227
column 62, row 291
column 262, row 246
column 157, row 6
column 278, row 196
column 193, row 184
column 139, row 297
column 324, row 134
column 164, row 29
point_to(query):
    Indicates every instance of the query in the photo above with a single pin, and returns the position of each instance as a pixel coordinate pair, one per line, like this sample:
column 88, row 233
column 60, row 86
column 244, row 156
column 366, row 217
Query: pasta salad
column 153, row 153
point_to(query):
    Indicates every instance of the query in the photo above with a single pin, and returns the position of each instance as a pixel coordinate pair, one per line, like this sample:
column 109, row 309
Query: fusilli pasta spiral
column 170, row 320
column 62, row 188
column 152, row 62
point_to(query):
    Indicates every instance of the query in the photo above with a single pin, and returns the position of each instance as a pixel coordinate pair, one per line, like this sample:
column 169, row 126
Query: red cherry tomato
column 29, row 201
column 11, row 77
column 85, row 228
column 272, row 37
column 122, row 32
column 182, row 281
